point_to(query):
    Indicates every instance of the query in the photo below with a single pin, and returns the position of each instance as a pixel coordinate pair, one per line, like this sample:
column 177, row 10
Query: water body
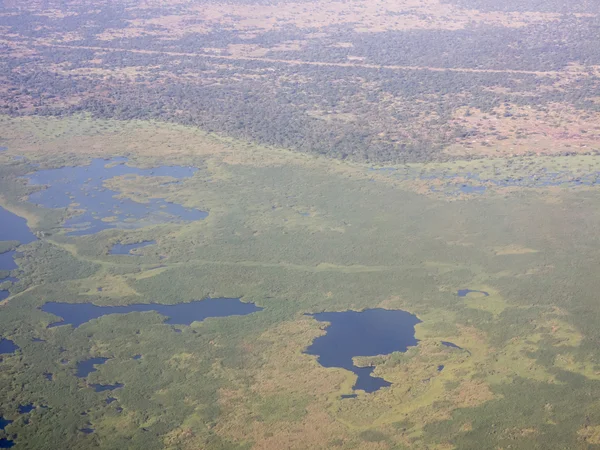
column 87, row 430
column 25, row 409
column 7, row 346
column 83, row 186
column 125, row 249
column 6, row 443
column 106, row 387
column 7, row 260
column 4, row 422
column 450, row 344
column 367, row 333
column 465, row 292
column 440, row 368
column 87, row 366
column 13, row 228
column 84, row 368
column 465, row 182
column 77, row 314
column 349, row 396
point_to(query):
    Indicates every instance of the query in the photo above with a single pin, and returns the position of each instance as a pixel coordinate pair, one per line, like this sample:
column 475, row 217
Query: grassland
column 298, row 234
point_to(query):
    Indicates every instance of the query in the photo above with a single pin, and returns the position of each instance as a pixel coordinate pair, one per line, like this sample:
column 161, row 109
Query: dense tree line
column 362, row 113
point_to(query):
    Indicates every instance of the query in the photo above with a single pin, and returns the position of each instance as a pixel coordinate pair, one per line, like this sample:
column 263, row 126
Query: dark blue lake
column 125, row 249
column 4, row 422
column 6, row 443
column 25, row 409
column 7, row 346
column 83, row 188
column 77, row 314
column 367, row 333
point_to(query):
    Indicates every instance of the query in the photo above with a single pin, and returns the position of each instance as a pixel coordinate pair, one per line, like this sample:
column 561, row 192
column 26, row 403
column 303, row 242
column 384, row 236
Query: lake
column 366, row 333
column 82, row 188
column 7, row 346
column 77, row 314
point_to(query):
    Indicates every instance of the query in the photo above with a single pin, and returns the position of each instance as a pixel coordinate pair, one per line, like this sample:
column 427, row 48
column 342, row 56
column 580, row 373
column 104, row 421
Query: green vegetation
column 296, row 235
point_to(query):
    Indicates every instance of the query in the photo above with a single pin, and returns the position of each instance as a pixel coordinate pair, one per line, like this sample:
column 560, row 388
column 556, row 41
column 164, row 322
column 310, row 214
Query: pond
column 465, row 292
column 82, row 188
column 366, row 333
column 125, row 249
column 7, row 346
column 26, row 409
column 451, row 345
column 4, row 422
column 85, row 367
column 77, row 314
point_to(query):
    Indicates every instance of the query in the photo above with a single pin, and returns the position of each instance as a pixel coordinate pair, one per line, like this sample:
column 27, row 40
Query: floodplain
column 505, row 275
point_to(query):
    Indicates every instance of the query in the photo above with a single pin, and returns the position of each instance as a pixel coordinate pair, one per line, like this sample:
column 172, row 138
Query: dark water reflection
column 77, row 314
column 367, row 333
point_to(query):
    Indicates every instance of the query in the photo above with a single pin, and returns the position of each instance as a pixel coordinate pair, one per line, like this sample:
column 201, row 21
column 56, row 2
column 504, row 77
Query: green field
column 298, row 234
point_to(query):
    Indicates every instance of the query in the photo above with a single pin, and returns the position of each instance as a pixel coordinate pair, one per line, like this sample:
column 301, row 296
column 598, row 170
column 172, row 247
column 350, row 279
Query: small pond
column 125, row 249
column 26, row 409
column 7, row 346
column 82, row 188
column 366, row 333
column 85, row 367
column 451, row 345
column 465, row 292
column 77, row 314
column 4, row 422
